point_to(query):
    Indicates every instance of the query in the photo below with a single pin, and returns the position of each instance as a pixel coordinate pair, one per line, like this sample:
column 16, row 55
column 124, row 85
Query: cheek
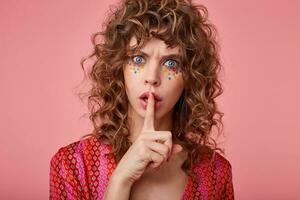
column 135, row 68
column 132, row 71
column 172, row 73
column 174, row 86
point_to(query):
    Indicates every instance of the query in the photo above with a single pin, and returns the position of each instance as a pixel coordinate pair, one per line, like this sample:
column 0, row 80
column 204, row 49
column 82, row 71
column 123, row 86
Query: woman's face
column 155, row 68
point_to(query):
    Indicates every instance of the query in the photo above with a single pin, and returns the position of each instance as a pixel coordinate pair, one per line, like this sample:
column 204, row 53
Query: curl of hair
column 178, row 23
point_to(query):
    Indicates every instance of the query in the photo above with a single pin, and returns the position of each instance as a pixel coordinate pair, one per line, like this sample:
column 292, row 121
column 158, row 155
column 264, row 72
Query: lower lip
column 144, row 104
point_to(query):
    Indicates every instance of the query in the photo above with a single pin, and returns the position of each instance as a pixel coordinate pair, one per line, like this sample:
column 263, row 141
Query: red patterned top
column 81, row 170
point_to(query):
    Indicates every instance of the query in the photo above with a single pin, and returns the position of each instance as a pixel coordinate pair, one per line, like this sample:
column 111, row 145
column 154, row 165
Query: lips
column 145, row 96
column 144, row 100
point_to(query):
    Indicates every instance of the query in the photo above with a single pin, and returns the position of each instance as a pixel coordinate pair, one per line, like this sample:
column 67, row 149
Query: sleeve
column 61, row 184
column 228, row 192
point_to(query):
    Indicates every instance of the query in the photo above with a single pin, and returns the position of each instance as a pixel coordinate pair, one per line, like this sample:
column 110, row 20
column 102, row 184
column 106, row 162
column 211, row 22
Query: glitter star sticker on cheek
column 135, row 67
column 171, row 72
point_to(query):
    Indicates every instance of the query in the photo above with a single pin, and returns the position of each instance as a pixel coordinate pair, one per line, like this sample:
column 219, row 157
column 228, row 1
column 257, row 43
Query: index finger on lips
column 149, row 116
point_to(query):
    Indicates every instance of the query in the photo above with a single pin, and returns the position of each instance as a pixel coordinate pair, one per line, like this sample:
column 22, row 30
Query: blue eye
column 137, row 59
column 171, row 63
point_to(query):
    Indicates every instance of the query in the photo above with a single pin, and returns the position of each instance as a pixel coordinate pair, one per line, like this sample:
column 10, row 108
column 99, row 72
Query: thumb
column 176, row 148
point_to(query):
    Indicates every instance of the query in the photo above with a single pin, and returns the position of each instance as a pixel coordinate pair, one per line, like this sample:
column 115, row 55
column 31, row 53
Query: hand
column 149, row 150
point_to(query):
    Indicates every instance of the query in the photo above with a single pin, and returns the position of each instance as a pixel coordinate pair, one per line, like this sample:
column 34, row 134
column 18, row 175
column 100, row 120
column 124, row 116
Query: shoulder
column 213, row 173
column 79, row 167
column 79, row 151
column 213, row 164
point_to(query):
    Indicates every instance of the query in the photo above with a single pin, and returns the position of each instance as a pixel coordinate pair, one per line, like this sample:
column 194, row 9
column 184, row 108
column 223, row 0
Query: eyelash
column 132, row 58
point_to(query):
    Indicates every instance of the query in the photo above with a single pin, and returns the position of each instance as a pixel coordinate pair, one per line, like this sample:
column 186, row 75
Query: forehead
column 154, row 44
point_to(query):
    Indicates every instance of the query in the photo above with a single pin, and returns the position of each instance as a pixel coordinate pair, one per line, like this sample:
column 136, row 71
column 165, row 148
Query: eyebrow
column 172, row 56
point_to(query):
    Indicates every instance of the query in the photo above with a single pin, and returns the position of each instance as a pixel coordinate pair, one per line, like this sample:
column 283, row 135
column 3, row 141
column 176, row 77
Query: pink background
column 40, row 49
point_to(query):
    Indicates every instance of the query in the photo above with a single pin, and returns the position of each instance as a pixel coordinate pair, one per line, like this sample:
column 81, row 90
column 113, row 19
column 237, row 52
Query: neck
column 136, row 122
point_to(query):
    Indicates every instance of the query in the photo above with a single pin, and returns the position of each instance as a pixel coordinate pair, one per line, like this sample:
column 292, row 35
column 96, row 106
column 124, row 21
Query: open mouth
column 145, row 99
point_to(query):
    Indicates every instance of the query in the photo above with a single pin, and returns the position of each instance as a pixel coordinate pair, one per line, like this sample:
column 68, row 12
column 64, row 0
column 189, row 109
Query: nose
column 151, row 82
column 152, row 76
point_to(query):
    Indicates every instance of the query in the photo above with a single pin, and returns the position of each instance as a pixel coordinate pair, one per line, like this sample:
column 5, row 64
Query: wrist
column 117, row 189
column 121, row 181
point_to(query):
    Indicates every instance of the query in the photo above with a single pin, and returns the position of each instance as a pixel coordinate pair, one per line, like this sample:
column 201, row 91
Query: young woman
column 152, row 104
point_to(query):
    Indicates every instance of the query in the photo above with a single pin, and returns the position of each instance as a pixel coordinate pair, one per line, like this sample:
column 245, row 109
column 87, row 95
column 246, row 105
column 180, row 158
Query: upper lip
column 146, row 94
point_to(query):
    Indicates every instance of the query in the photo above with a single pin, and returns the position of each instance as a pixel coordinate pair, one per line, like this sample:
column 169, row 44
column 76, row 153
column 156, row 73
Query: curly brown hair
column 178, row 23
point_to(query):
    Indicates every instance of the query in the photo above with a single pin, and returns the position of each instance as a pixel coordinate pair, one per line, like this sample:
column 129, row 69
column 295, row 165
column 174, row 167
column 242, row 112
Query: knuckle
column 161, row 159
column 169, row 135
column 166, row 149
